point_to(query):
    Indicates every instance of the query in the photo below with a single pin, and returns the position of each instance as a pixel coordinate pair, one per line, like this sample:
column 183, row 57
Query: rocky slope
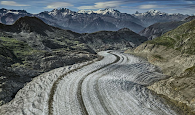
column 159, row 29
column 113, row 40
column 30, row 47
column 174, row 52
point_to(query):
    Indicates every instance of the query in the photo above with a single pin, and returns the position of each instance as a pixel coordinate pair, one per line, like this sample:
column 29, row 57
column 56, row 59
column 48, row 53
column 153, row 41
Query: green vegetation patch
column 191, row 69
column 165, row 41
column 19, row 48
column 182, row 38
column 158, row 57
column 190, row 72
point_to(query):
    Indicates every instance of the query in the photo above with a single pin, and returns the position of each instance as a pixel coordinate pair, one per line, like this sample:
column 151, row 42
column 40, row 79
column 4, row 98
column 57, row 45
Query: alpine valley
column 101, row 62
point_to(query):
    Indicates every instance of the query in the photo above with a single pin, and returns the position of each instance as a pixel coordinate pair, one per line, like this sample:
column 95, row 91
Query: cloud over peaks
column 148, row 6
column 99, row 5
column 11, row 3
column 58, row 5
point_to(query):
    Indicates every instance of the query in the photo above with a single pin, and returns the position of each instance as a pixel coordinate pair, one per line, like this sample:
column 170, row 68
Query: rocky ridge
column 158, row 29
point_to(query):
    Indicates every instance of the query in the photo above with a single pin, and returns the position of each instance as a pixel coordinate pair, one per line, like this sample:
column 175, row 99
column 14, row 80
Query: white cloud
column 148, row 6
column 99, row 5
column 58, row 5
column 189, row 2
column 12, row 3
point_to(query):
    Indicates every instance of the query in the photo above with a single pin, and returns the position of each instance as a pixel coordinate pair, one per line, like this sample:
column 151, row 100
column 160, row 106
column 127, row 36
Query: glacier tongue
column 116, row 85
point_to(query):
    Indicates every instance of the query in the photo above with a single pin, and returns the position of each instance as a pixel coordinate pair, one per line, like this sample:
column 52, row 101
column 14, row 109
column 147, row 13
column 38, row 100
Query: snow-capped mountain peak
column 61, row 11
column 153, row 11
column 100, row 11
column 53, row 12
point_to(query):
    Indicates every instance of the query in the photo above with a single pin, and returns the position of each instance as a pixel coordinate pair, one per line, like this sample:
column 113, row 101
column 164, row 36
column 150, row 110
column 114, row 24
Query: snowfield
column 116, row 85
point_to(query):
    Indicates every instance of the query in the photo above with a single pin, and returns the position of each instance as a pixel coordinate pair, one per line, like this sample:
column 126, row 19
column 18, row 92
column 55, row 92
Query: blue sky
column 127, row 6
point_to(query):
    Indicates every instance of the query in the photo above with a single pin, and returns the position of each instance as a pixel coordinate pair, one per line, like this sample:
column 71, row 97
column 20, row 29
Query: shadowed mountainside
column 113, row 40
column 159, row 29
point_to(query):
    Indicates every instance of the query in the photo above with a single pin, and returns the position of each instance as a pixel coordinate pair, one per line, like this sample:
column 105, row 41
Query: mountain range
column 92, row 21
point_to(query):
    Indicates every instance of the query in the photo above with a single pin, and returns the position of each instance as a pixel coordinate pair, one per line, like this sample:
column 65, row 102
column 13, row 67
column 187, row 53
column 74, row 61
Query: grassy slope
column 181, row 38
column 174, row 52
column 18, row 48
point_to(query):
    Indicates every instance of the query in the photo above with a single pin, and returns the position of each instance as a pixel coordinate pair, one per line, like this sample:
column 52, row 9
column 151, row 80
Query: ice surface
column 116, row 85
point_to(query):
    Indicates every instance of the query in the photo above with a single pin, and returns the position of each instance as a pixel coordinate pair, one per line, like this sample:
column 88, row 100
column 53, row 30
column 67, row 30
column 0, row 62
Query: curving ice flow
column 116, row 85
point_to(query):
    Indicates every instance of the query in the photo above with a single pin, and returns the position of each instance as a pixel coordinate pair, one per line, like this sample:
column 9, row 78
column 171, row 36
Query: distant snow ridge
column 100, row 11
column 153, row 12
column 16, row 12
